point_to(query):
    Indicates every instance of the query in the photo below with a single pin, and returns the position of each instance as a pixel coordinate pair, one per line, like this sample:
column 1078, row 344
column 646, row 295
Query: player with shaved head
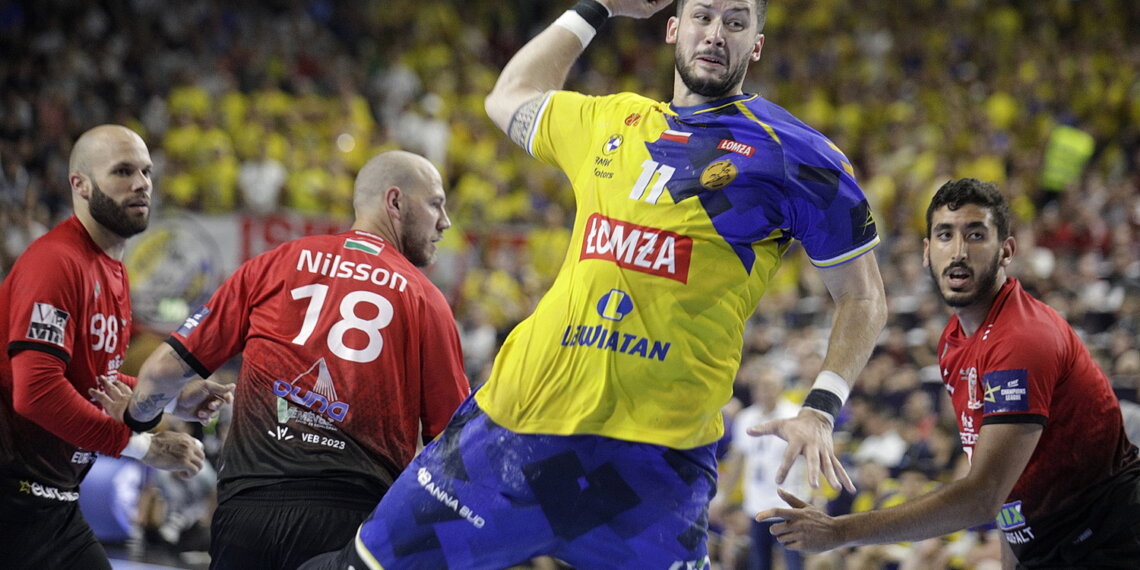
column 65, row 328
column 350, row 356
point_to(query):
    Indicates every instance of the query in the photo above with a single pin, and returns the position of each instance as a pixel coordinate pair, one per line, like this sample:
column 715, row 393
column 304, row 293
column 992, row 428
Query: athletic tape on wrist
column 584, row 19
column 593, row 12
column 828, row 394
column 138, row 446
column 137, row 426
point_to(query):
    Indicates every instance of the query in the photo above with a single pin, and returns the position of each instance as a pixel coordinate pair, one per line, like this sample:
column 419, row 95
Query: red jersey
column 347, row 349
column 64, row 297
column 1025, row 364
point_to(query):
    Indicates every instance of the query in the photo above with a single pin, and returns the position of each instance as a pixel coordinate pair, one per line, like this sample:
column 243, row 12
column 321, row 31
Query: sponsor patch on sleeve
column 193, row 321
column 48, row 324
column 1006, row 391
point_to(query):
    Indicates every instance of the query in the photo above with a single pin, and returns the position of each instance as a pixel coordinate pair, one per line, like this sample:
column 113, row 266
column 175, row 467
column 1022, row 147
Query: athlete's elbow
column 496, row 109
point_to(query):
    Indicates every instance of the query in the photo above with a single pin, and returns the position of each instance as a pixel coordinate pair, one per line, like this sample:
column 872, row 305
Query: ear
column 671, row 30
column 80, row 185
column 757, row 48
column 1008, row 248
column 926, row 252
column 392, row 202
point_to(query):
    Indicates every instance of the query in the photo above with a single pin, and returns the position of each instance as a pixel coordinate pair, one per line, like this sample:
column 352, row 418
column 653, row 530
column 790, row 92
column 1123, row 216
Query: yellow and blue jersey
column 683, row 214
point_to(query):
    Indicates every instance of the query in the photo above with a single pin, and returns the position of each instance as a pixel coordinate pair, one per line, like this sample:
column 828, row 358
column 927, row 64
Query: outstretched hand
column 804, row 527
column 635, row 8
column 807, row 434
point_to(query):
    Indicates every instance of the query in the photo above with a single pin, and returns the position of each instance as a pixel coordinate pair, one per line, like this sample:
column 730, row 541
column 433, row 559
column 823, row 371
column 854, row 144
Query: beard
column 713, row 88
column 984, row 285
column 114, row 216
column 417, row 244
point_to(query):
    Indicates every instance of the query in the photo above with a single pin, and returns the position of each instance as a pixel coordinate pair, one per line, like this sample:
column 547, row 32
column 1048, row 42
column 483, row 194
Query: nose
column 714, row 34
column 444, row 221
column 141, row 181
column 958, row 249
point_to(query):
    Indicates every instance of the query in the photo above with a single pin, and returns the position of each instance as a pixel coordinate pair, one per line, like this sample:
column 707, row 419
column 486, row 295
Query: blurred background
column 258, row 116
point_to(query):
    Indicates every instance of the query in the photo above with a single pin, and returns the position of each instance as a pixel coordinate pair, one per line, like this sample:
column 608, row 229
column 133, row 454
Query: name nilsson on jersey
column 323, row 263
column 640, row 248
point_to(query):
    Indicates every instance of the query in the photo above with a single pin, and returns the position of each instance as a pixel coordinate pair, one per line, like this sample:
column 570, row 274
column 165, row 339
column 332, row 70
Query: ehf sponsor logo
column 424, row 478
column 1007, row 391
column 48, row 324
column 737, row 147
column 46, row 492
column 632, row 119
column 640, row 248
column 193, row 321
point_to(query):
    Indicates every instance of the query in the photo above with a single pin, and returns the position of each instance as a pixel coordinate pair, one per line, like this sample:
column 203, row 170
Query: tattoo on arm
column 153, row 404
column 522, row 123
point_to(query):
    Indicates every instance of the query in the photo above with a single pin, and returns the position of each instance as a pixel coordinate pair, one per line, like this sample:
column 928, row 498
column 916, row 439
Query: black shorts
column 282, row 526
column 44, row 528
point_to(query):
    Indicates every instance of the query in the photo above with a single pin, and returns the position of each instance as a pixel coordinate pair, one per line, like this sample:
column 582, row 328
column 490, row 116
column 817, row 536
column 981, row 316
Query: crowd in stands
column 272, row 107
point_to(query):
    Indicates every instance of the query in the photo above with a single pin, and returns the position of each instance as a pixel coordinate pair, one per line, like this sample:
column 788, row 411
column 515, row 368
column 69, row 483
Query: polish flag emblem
column 676, row 136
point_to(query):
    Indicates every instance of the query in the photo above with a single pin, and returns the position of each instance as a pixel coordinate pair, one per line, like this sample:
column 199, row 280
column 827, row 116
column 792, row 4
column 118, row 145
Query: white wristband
column 169, row 409
column 137, row 446
column 834, row 383
column 827, row 395
column 577, row 25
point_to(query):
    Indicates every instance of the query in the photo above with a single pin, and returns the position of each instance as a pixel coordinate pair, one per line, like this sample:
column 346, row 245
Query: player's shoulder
column 615, row 102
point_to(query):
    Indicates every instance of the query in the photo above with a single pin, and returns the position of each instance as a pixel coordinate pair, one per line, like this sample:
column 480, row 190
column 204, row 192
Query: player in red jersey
column 349, row 355
column 65, row 328
column 1038, row 419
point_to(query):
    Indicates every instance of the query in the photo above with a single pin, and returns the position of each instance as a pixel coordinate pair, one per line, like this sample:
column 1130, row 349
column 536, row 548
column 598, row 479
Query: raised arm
column 543, row 63
column 860, row 314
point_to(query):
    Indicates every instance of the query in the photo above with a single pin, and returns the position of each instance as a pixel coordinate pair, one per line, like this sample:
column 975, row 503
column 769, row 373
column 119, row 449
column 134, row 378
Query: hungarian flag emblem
column 364, row 246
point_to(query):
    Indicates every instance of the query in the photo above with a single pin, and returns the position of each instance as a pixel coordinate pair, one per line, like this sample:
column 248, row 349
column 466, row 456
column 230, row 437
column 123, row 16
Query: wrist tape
column 828, row 394
column 584, row 19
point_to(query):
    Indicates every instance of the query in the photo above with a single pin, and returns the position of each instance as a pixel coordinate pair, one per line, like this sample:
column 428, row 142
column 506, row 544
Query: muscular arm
column 860, row 314
column 542, row 65
column 1001, row 454
column 160, row 380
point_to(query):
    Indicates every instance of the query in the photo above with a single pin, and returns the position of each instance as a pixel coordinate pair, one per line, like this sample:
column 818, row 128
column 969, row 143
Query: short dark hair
column 761, row 12
column 957, row 193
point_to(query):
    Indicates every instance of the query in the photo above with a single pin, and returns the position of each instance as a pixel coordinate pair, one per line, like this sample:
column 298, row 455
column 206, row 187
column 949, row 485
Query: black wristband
column 137, row 426
column 593, row 12
column 823, row 401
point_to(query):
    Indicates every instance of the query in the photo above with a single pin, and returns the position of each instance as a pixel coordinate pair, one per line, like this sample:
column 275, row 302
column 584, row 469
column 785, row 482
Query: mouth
column 711, row 59
column 958, row 277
